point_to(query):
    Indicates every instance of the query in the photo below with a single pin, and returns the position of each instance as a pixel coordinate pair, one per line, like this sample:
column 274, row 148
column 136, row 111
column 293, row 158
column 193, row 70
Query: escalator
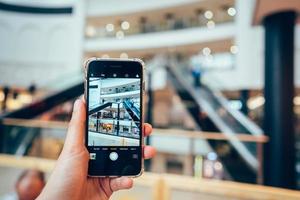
column 241, row 161
column 132, row 111
column 18, row 140
column 98, row 108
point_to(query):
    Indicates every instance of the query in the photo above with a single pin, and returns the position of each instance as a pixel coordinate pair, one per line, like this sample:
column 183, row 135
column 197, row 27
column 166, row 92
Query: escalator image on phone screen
column 114, row 112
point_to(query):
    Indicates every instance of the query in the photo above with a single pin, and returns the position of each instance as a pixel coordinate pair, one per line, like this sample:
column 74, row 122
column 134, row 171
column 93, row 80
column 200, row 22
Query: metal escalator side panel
column 99, row 108
column 132, row 111
column 27, row 141
column 36, row 108
column 249, row 158
column 19, row 139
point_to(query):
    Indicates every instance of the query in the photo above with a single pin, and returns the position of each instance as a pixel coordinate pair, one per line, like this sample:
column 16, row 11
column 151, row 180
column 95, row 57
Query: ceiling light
column 218, row 166
column 124, row 55
column 90, row 31
column 210, row 24
column 120, row 35
column 297, row 100
column 2, row 96
column 206, row 51
column 235, row 104
column 110, row 27
column 234, row 49
column 231, row 11
column 208, row 14
column 255, row 102
column 125, row 25
column 212, row 156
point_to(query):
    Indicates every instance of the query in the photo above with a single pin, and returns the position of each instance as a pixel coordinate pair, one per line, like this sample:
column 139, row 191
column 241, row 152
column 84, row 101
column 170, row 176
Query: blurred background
column 223, row 94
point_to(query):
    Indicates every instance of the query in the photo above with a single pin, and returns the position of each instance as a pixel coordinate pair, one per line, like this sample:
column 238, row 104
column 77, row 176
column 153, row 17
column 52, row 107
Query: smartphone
column 114, row 91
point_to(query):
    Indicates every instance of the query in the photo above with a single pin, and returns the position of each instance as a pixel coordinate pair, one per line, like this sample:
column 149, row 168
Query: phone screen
column 114, row 117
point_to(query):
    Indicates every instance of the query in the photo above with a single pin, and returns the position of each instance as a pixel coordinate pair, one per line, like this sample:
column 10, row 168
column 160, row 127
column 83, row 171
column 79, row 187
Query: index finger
column 147, row 129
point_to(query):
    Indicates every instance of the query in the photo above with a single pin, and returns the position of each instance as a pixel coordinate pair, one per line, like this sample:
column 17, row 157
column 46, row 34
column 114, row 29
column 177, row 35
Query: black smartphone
column 114, row 91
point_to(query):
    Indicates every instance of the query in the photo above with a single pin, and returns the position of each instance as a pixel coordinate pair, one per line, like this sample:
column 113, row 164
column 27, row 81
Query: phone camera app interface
column 114, row 111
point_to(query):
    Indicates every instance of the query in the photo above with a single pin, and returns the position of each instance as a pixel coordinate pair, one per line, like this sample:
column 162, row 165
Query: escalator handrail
column 240, row 117
column 99, row 107
column 134, row 109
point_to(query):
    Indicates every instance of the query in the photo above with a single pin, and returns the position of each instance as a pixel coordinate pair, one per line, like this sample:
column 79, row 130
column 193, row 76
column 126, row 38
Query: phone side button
column 144, row 86
column 85, row 89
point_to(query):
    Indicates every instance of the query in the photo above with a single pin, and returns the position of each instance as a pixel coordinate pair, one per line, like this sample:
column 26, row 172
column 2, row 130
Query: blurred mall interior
column 223, row 90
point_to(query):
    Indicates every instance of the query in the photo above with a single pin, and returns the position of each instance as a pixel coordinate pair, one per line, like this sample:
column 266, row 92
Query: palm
column 76, row 180
column 69, row 179
column 98, row 188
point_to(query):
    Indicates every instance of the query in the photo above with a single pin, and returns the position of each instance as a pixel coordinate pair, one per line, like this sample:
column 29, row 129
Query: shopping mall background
column 244, row 50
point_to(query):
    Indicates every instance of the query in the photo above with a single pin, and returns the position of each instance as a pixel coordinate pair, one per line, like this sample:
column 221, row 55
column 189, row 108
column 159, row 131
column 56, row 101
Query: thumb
column 76, row 130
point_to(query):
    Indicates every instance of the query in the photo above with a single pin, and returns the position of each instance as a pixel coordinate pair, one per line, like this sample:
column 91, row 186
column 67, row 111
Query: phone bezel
column 86, row 70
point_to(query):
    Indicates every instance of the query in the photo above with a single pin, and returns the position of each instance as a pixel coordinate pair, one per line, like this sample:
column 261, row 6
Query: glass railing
column 32, row 137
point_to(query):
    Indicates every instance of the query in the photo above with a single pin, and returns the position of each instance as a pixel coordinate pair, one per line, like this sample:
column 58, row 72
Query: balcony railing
column 148, row 27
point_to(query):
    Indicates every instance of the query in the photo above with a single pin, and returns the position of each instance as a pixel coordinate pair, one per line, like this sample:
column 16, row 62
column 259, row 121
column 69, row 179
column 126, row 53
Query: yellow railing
column 166, row 187
column 191, row 135
column 34, row 123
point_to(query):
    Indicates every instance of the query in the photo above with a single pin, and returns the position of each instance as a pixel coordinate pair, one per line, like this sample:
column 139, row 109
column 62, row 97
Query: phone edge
column 86, row 64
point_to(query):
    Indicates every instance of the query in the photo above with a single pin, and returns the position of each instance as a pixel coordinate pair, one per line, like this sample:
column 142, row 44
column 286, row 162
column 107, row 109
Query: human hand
column 69, row 178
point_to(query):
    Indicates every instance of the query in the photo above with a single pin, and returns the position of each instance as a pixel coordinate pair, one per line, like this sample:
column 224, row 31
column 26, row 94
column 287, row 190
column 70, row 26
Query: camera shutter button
column 113, row 156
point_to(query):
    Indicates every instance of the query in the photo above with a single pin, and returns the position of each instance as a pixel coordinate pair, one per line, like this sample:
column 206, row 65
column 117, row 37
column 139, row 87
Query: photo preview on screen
column 114, row 111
